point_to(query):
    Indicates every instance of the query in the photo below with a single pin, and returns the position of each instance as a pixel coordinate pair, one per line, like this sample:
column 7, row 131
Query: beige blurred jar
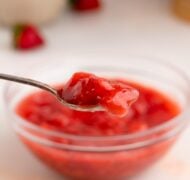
column 29, row 11
column 182, row 9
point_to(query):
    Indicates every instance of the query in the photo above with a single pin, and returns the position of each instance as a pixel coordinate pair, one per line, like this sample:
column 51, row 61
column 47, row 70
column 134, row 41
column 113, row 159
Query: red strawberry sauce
column 151, row 109
column 86, row 89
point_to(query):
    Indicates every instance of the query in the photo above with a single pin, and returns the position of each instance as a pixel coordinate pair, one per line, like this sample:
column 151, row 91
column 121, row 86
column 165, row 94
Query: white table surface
column 123, row 26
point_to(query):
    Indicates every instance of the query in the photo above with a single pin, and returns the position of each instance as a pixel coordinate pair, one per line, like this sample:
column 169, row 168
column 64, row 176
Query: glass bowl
column 110, row 157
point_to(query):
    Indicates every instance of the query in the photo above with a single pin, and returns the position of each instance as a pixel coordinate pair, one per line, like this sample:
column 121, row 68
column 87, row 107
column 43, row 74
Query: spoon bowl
column 50, row 89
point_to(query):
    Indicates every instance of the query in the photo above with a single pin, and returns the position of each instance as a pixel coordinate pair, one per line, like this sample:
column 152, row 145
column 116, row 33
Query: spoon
column 51, row 90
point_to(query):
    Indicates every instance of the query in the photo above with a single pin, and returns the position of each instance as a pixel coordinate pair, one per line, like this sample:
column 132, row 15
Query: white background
column 144, row 27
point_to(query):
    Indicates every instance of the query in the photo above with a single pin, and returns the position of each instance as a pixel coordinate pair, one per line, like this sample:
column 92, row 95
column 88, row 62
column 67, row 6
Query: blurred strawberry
column 83, row 5
column 26, row 37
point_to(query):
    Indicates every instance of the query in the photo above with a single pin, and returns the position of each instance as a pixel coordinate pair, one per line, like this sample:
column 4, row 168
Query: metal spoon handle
column 27, row 81
column 48, row 88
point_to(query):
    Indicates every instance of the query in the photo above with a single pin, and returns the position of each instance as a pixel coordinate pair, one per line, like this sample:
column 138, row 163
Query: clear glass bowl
column 113, row 157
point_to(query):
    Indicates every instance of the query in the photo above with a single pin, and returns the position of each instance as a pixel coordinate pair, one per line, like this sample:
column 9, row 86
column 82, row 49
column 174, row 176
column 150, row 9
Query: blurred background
column 154, row 28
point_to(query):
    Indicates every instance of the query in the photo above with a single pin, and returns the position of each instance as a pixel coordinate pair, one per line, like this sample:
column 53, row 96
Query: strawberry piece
column 119, row 100
column 83, row 5
column 27, row 37
column 136, row 126
column 89, row 90
column 80, row 90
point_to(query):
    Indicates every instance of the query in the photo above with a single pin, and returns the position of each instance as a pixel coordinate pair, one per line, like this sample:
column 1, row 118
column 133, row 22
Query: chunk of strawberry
column 83, row 5
column 27, row 37
column 136, row 126
column 119, row 100
column 80, row 90
column 89, row 90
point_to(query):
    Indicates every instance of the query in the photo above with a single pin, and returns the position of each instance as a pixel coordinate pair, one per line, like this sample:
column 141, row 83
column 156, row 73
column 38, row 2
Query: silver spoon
column 51, row 90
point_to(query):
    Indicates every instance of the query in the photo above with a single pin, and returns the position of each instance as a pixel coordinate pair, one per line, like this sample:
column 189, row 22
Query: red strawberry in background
column 83, row 5
column 27, row 37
